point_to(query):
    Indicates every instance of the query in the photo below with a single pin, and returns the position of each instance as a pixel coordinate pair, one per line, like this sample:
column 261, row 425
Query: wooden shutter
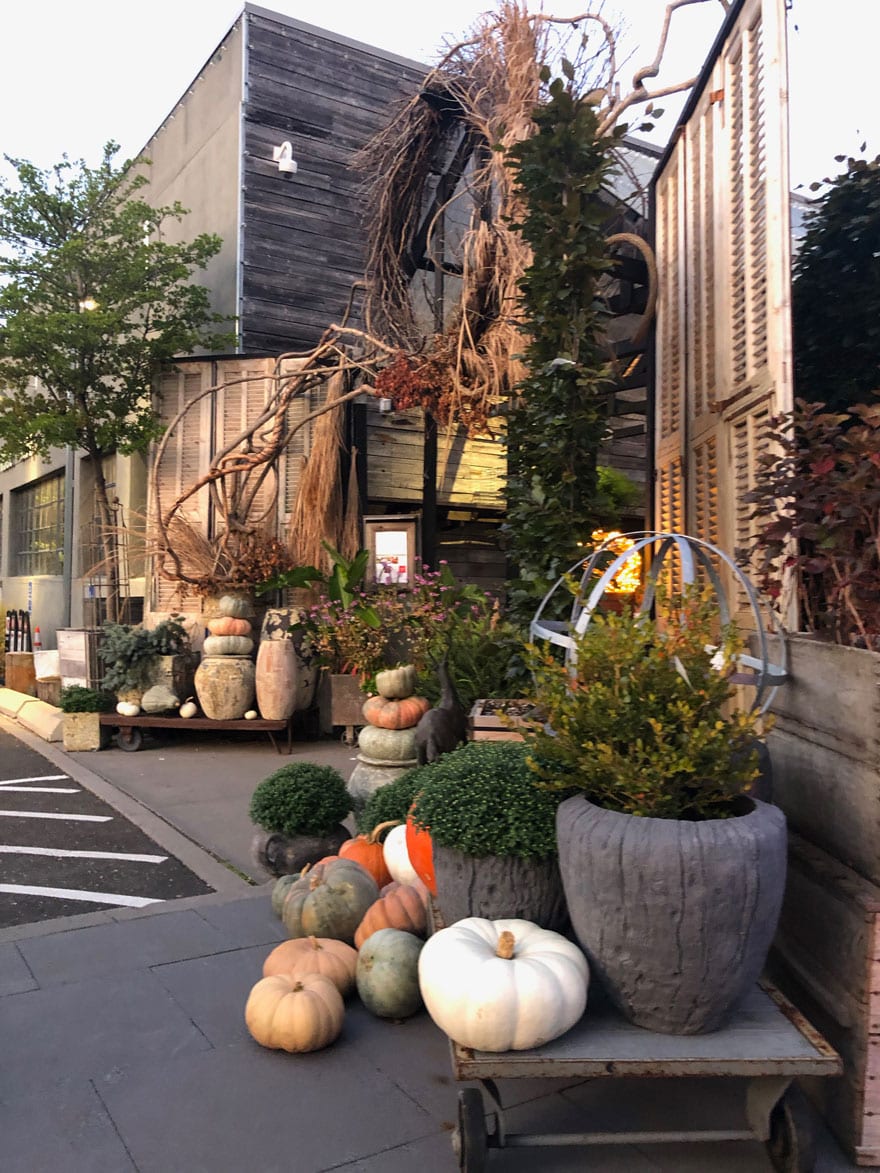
column 245, row 388
column 723, row 253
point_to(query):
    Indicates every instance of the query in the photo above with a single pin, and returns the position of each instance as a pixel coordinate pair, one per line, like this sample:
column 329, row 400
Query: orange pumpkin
column 399, row 907
column 333, row 959
column 395, row 714
column 367, row 850
column 421, row 854
column 228, row 625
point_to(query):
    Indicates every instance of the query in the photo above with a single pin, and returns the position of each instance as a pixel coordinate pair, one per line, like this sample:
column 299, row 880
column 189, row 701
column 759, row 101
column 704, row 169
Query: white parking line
column 39, row 778
column 66, row 853
column 78, row 894
column 45, row 815
column 41, row 789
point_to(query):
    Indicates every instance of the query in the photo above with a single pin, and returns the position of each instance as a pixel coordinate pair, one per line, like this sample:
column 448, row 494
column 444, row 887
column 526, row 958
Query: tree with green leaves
column 836, row 291
column 558, row 420
column 92, row 301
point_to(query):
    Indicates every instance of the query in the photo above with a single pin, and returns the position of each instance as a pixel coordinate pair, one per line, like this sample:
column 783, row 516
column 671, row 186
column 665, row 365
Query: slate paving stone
column 246, row 922
column 84, row 1029
column 120, row 946
column 74, row 1134
column 268, row 1111
column 229, row 977
column 15, row 976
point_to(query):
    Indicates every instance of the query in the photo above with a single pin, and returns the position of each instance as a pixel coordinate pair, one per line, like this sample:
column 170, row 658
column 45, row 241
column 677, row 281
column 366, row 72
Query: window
column 37, row 528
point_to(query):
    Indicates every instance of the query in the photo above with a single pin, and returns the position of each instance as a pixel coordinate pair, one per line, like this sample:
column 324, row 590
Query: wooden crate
column 826, row 957
column 488, row 726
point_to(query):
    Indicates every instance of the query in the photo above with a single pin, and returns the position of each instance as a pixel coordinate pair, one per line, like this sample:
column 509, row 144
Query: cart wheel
column 130, row 739
column 790, row 1147
column 469, row 1140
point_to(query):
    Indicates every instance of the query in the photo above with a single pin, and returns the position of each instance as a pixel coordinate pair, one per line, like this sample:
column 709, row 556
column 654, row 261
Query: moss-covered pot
column 499, row 887
column 676, row 917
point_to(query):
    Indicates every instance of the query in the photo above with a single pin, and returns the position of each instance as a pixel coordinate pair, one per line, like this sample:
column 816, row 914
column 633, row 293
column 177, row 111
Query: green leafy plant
column 77, row 699
column 300, row 799
column 130, row 652
column 641, row 721
column 817, row 503
column 835, row 292
column 482, row 799
column 557, row 423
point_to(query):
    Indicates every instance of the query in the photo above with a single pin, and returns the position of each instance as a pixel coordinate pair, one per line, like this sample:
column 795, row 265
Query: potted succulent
column 299, row 811
column 493, row 832
column 82, row 709
column 673, row 873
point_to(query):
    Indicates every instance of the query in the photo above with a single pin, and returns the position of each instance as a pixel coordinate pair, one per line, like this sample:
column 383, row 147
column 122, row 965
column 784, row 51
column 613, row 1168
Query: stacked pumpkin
column 225, row 678
column 387, row 742
column 352, row 926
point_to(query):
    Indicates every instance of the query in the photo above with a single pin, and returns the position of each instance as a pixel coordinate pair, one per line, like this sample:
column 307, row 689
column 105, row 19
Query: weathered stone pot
column 369, row 776
column 285, row 683
column 225, row 686
column 499, row 886
column 676, row 917
column 83, row 731
column 285, row 855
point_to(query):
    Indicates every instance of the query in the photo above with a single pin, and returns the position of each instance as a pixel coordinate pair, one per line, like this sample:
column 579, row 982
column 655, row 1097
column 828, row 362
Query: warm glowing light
column 88, row 303
column 629, row 578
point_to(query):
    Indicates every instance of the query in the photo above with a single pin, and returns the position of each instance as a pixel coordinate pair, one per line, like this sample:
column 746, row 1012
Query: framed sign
column 392, row 545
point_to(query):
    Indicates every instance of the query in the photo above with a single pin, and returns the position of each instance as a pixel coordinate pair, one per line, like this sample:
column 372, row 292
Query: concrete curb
column 207, row 867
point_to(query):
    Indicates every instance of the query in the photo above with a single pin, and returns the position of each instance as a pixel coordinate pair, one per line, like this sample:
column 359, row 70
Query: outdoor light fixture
column 88, row 303
column 283, row 156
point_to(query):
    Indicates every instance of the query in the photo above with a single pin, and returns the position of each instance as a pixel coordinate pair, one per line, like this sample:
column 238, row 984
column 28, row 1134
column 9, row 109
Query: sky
column 73, row 76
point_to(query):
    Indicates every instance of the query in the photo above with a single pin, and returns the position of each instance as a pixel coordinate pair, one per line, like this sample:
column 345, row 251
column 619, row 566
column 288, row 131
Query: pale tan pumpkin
column 395, row 714
column 294, row 1014
column 228, row 645
column 401, row 906
column 333, row 959
column 396, row 683
column 229, row 625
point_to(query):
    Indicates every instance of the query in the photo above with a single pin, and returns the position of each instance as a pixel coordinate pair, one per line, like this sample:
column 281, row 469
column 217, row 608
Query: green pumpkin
column 237, row 606
column 396, row 683
column 228, row 645
column 329, row 901
column 279, row 891
column 388, row 973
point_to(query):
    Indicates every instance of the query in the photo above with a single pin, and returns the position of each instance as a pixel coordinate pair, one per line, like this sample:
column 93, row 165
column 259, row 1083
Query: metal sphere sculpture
column 765, row 670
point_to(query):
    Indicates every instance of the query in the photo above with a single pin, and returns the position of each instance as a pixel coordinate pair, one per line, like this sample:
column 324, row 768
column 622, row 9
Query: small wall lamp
column 283, row 156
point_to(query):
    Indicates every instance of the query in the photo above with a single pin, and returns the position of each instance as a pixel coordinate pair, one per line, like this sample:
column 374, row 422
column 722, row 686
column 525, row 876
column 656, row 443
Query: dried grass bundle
column 317, row 510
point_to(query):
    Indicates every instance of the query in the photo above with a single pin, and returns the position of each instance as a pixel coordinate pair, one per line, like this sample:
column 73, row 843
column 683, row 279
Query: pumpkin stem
column 314, row 883
column 315, row 943
column 373, row 836
column 506, row 942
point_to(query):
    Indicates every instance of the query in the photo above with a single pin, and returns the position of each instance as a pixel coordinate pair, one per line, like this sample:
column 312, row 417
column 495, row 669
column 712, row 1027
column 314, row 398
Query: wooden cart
column 130, row 737
column 767, row 1041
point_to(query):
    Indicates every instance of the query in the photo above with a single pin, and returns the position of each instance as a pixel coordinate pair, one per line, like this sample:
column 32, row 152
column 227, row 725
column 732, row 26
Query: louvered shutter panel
column 184, row 461
column 670, row 384
column 729, row 173
column 244, row 390
column 296, row 450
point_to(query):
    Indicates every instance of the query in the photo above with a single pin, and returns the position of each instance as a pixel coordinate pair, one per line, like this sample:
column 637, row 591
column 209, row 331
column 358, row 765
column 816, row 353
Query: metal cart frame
column 767, row 1041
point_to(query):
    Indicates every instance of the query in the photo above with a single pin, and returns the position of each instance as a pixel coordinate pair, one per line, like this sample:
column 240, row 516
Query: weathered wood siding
column 302, row 240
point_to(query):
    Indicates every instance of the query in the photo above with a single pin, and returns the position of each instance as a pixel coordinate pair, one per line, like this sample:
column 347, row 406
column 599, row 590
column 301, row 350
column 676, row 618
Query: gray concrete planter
column 825, row 748
column 676, row 917
column 499, row 886
column 285, row 855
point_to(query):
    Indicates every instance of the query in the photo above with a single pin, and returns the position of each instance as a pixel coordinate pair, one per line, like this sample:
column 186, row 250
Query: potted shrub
column 82, row 709
column 493, row 832
column 673, row 874
column 136, row 657
column 299, row 810
column 817, row 511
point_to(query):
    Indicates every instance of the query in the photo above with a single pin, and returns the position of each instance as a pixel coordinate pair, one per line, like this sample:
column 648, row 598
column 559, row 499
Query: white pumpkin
column 502, row 985
column 397, row 857
column 188, row 709
column 251, row 715
column 128, row 709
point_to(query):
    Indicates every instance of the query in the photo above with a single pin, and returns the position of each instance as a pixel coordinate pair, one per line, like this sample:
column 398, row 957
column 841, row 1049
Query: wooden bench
column 130, row 737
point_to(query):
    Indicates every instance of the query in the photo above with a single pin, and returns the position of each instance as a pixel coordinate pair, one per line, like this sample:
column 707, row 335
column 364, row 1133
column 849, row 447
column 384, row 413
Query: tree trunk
column 109, row 546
